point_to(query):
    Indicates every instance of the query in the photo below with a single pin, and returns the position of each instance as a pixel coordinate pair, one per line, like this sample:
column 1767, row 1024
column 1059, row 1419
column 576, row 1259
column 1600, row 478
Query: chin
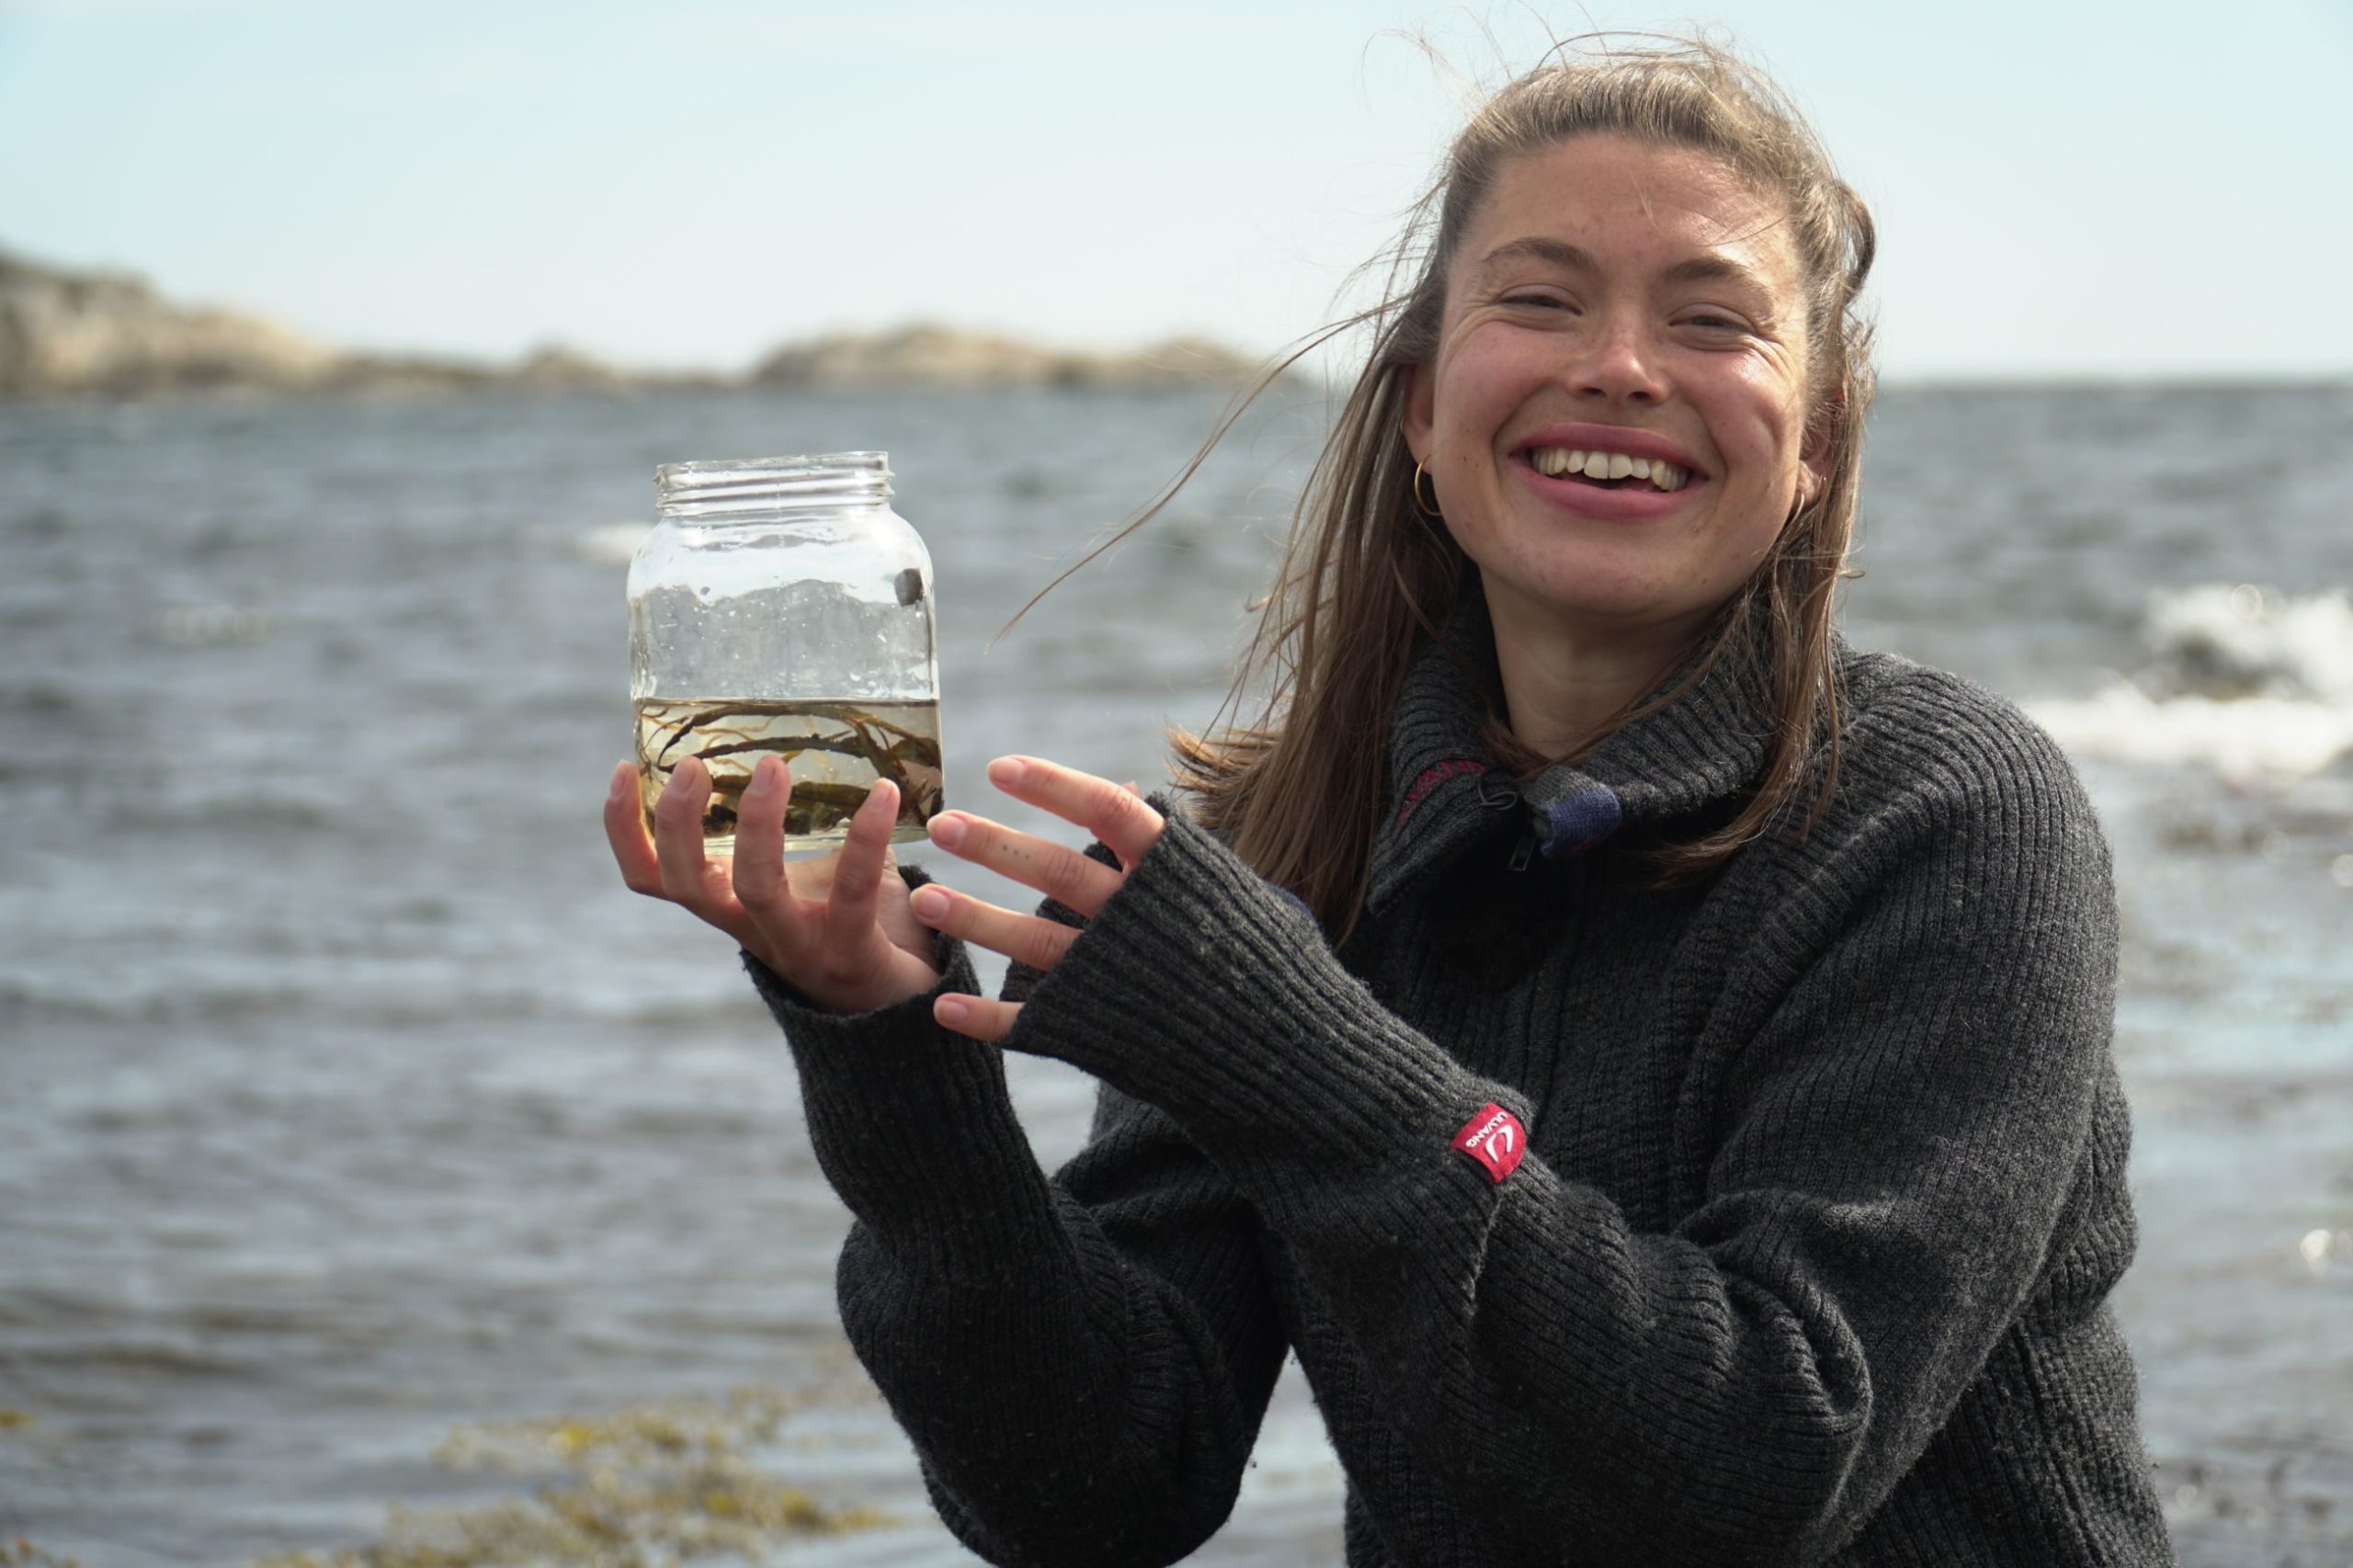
column 1592, row 595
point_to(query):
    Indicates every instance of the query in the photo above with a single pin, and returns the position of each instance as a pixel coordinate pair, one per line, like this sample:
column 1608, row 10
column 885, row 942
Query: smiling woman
column 1647, row 1060
column 1633, row 303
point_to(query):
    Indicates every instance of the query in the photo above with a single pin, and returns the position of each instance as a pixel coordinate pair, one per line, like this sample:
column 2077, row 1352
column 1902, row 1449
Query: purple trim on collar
column 1582, row 821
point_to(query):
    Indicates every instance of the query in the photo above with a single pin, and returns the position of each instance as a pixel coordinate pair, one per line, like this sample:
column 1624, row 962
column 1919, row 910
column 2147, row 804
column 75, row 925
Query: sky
column 2062, row 188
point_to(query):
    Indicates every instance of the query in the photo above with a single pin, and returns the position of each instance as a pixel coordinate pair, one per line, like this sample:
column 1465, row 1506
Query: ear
column 1821, row 448
column 1420, row 418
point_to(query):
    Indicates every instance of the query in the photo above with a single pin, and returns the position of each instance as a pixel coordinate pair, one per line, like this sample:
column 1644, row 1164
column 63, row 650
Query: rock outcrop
column 66, row 334
column 932, row 356
column 108, row 333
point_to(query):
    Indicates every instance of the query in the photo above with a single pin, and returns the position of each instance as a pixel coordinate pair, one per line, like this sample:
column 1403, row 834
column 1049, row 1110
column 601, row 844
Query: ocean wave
column 2250, row 681
column 2244, row 741
column 2236, row 640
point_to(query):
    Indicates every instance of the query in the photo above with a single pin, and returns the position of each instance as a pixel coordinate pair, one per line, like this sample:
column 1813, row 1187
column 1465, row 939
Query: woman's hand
column 838, row 929
column 1115, row 815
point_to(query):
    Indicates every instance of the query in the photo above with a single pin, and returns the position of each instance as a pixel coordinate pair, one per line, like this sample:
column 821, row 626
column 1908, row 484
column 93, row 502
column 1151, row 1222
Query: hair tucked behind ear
column 1365, row 576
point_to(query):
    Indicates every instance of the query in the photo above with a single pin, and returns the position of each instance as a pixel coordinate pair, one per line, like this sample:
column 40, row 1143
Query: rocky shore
column 112, row 334
column 932, row 356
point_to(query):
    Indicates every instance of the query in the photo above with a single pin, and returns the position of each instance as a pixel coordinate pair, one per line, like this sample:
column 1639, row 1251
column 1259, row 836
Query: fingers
column 1024, row 938
column 758, row 872
column 837, row 950
column 1116, row 816
column 1057, row 871
column 625, row 831
column 857, row 873
column 759, row 836
column 678, row 831
column 978, row 1017
column 674, row 866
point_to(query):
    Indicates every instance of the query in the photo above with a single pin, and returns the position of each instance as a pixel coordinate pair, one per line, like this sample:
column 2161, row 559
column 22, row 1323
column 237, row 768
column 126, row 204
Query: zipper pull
column 1503, row 798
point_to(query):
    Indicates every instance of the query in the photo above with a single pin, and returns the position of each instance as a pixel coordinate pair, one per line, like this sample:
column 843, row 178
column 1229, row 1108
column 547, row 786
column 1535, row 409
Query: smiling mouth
column 1606, row 470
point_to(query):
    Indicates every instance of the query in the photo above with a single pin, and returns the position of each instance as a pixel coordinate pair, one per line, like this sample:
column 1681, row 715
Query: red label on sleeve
column 1496, row 1139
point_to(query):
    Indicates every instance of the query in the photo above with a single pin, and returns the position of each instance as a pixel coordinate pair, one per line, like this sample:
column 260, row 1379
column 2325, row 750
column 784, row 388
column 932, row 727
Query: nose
column 1619, row 362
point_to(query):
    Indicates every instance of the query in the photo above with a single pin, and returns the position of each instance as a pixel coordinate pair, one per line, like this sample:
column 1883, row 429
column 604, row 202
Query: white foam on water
column 2237, row 640
column 2244, row 741
column 2252, row 683
column 613, row 544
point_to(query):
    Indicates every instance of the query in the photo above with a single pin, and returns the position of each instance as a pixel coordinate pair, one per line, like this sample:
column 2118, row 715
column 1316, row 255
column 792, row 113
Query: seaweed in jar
column 833, row 750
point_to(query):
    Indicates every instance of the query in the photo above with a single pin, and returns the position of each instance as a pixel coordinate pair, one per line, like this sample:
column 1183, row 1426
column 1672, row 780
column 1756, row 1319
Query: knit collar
column 1446, row 792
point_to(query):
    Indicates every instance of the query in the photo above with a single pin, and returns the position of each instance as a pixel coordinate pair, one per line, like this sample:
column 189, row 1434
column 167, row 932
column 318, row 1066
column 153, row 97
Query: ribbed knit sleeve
column 1082, row 1362
column 1921, row 1012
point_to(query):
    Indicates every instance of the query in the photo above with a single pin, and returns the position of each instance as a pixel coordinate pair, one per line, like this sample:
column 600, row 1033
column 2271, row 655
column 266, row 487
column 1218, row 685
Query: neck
column 1563, row 681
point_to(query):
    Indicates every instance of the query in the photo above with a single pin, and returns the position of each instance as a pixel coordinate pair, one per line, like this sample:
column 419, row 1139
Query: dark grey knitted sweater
column 1807, row 1261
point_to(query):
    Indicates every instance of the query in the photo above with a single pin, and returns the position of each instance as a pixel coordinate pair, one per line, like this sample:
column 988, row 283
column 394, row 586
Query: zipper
column 1503, row 798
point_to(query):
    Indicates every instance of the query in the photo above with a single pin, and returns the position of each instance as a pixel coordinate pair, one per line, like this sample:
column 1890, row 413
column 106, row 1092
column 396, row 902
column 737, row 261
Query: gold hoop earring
column 1427, row 508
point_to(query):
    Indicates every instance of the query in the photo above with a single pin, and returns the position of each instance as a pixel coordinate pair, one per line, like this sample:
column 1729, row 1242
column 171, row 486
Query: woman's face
column 1638, row 301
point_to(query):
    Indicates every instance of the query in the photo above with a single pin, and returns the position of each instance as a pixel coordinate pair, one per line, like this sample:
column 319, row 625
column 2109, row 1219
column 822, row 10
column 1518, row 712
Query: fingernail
column 678, row 782
column 874, row 793
column 763, row 776
column 1005, row 772
column 929, row 903
column 952, row 1011
column 619, row 786
column 947, row 832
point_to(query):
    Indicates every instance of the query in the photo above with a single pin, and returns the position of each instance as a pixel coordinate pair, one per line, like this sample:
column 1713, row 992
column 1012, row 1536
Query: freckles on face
column 1616, row 302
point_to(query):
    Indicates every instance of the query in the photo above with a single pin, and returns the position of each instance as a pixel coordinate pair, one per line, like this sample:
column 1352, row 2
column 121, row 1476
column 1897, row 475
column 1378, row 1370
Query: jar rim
column 811, row 463
column 735, row 484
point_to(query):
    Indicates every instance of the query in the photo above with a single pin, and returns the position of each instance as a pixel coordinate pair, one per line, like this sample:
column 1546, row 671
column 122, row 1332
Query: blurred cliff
column 108, row 335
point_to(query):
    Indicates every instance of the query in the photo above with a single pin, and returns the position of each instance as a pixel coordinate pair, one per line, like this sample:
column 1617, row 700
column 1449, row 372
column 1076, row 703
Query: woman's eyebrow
column 1555, row 252
column 1716, row 269
column 1711, row 268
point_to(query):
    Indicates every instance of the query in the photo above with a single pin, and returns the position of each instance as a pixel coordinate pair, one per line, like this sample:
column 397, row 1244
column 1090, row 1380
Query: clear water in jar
column 834, row 751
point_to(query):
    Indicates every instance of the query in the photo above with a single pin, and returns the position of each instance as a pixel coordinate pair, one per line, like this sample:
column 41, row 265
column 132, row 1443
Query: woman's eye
column 1550, row 302
column 1715, row 322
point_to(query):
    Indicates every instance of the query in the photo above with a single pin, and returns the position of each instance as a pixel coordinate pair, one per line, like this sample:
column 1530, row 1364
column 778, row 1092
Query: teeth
column 1555, row 462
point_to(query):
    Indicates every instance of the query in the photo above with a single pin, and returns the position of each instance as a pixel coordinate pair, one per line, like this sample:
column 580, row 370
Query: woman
column 1649, row 1062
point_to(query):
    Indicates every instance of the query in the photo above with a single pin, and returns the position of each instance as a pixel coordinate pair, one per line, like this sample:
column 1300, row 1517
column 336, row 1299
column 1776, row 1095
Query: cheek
column 1480, row 382
column 1779, row 398
column 1765, row 434
column 1757, row 540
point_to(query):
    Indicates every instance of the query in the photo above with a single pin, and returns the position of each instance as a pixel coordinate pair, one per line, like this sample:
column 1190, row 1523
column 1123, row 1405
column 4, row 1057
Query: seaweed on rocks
column 649, row 1487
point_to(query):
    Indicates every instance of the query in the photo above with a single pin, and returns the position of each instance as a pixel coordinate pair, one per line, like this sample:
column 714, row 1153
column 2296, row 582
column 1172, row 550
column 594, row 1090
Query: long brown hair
column 1365, row 576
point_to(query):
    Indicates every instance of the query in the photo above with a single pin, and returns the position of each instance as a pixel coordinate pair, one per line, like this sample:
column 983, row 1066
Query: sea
column 380, row 1181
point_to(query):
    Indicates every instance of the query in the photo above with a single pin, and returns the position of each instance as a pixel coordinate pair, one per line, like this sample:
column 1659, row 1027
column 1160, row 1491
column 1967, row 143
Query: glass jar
column 781, row 606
